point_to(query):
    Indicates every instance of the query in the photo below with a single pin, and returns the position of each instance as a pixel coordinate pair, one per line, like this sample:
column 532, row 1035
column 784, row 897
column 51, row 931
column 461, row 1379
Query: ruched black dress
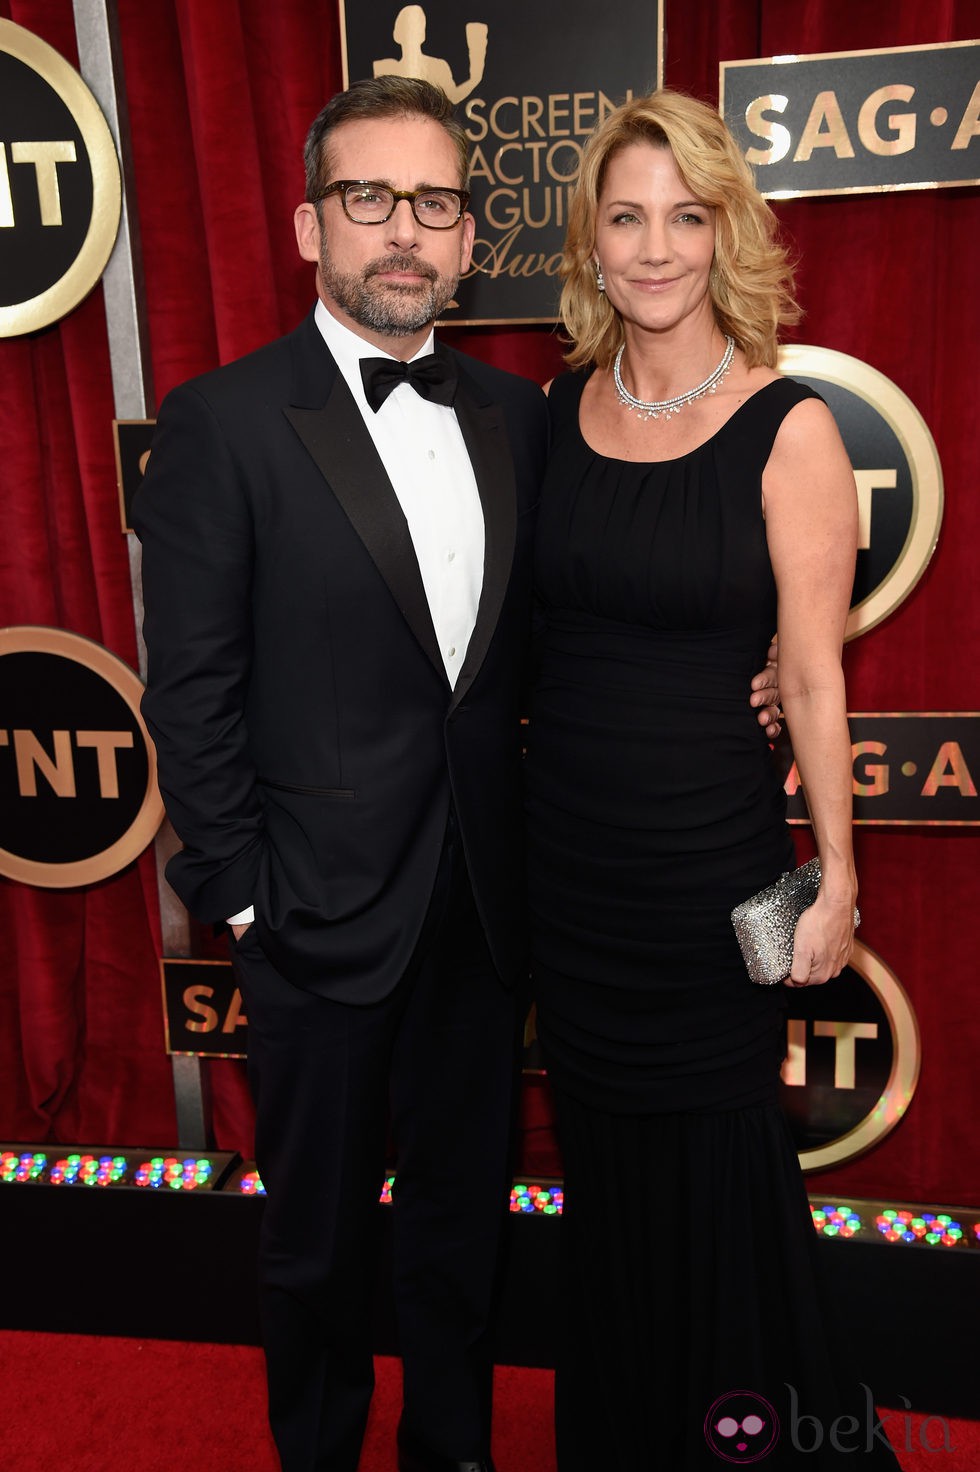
column 653, row 809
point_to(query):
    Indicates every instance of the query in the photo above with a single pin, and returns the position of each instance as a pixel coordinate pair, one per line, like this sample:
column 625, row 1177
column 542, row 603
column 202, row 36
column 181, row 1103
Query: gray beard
column 395, row 310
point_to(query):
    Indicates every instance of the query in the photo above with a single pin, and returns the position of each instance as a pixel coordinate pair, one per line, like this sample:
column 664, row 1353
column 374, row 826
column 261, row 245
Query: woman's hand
column 823, row 942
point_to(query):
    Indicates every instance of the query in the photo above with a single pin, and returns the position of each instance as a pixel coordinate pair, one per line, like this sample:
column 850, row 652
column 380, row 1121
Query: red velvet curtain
column 220, row 95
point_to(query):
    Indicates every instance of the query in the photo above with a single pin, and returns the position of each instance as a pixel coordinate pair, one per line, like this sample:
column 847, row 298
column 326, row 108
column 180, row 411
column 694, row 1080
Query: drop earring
column 600, row 280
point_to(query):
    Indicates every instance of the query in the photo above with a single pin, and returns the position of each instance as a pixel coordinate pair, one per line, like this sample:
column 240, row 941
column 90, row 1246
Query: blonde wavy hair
column 751, row 279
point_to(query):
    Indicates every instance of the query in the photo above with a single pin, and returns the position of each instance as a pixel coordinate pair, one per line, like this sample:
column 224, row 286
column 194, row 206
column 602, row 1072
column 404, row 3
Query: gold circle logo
column 78, row 789
column 898, row 474
column 60, row 191
column 852, row 1063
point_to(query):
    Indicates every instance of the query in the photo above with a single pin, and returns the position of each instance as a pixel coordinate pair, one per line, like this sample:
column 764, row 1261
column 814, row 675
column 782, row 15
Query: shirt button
column 452, row 650
column 450, row 556
column 432, row 454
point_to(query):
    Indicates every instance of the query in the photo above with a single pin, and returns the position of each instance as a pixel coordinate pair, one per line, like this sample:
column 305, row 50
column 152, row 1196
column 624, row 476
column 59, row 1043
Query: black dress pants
column 438, row 1060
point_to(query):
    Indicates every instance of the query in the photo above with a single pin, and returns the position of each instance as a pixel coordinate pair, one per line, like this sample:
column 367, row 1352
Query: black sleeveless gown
column 653, row 809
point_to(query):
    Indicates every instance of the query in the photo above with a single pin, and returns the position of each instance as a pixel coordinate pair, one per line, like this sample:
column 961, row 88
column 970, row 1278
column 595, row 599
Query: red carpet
column 74, row 1403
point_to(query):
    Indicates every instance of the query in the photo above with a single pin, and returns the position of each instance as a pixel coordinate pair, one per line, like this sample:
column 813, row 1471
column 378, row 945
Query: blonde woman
column 695, row 500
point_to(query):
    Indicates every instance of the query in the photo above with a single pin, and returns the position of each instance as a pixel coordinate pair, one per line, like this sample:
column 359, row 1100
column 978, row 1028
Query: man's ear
column 307, row 228
column 466, row 243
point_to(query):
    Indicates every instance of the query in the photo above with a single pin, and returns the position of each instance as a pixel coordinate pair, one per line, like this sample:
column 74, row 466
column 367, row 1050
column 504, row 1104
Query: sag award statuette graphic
column 60, row 190
column 529, row 84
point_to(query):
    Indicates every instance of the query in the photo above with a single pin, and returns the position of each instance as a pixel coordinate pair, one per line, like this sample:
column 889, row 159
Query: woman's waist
column 586, row 651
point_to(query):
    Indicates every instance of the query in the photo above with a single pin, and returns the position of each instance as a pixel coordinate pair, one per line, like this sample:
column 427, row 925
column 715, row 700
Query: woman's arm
column 810, row 504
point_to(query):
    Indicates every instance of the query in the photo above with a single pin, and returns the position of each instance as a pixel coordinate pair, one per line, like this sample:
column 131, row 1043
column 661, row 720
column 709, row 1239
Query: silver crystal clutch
column 765, row 924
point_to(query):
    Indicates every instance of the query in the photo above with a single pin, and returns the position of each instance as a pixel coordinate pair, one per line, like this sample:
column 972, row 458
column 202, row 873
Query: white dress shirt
column 422, row 450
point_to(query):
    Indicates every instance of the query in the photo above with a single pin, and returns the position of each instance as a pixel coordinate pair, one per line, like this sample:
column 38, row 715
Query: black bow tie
column 433, row 377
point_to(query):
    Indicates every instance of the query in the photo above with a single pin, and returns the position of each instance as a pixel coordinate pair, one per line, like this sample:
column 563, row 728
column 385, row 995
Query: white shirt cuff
column 244, row 917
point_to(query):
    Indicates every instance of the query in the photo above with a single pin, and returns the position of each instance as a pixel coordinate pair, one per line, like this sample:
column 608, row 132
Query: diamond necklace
column 664, row 408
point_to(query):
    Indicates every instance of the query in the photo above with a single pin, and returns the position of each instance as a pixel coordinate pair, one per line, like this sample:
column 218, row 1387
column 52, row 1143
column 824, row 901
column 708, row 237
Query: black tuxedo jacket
column 308, row 740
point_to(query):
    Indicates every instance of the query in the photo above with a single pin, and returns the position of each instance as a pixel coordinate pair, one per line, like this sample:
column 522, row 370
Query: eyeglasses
column 366, row 203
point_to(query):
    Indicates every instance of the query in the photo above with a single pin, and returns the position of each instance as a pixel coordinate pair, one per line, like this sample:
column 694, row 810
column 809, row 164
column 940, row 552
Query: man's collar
column 348, row 348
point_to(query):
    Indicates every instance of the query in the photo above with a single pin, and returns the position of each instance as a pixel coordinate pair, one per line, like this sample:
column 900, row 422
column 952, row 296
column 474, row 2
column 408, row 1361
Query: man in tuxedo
column 336, row 573
column 337, row 541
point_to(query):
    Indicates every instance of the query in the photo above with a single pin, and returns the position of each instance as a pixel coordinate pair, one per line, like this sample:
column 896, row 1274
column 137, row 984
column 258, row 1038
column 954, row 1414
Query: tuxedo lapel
column 485, row 436
column 324, row 415
column 336, row 437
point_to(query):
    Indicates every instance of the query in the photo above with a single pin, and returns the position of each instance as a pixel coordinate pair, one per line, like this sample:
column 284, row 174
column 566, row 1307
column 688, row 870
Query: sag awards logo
column 850, row 121
column 59, row 185
column 907, row 768
column 529, row 94
column 78, row 791
column 896, row 467
column 133, row 439
column 203, row 1011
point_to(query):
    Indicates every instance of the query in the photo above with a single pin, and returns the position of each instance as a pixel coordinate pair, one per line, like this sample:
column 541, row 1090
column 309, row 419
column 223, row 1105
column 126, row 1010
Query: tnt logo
column 43, row 156
column 78, row 793
column 59, row 185
column 852, row 1061
column 896, row 471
